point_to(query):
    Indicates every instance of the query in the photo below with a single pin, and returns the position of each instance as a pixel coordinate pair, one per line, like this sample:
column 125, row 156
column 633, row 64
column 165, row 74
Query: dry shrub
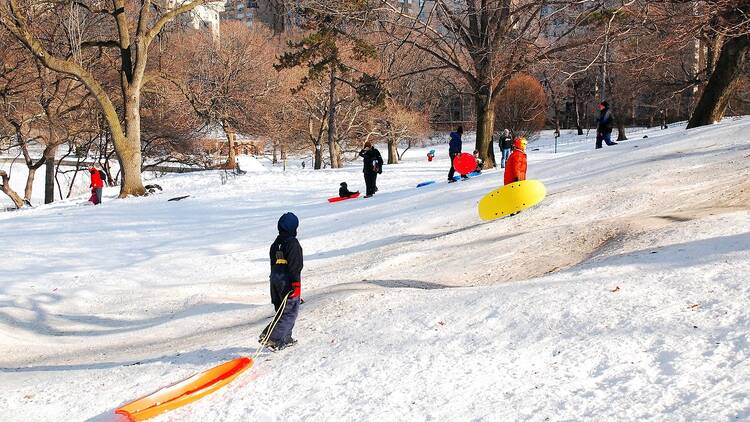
column 521, row 107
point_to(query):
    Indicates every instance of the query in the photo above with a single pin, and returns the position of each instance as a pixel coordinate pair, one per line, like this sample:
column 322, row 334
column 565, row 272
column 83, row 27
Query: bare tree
column 487, row 42
column 126, row 28
column 732, row 24
column 521, row 106
column 6, row 189
column 44, row 108
column 398, row 127
column 227, row 81
column 332, row 50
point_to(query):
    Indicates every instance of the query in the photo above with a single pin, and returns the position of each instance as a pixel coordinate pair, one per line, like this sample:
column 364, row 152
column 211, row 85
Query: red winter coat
column 515, row 167
column 96, row 180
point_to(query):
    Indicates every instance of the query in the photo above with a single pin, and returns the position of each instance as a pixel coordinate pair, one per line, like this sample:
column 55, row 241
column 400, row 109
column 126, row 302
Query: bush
column 521, row 107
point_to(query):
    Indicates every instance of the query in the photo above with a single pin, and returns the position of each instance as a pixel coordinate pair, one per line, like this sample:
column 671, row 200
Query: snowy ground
column 623, row 296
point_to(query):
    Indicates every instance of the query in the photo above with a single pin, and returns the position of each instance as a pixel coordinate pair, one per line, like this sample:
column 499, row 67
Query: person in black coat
column 372, row 166
column 455, row 145
column 286, row 283
column 604, row 126
column 506, row 146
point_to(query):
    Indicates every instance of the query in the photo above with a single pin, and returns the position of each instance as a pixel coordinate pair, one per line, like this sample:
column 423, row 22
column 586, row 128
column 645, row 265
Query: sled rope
column 272, row 326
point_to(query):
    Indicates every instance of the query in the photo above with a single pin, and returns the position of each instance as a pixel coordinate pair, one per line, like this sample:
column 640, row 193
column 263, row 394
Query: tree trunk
column 129, row 150
column 333, row 151
column 5, row 187
column 392, row 151
column 485, row 125
column 621, row 136
column 318, row 157
column 577, row 110
column 29, row 184
column 49, row 180
column 49, row 174
column 274, row 154
column 724, row 79
column 231, row 154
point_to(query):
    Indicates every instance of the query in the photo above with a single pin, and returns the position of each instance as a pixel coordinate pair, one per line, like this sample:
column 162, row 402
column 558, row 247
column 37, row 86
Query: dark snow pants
column 452, row 171
column 281, row 284
column 371, row 183
column 506, row 154
column 606, row 137
column 96, row 196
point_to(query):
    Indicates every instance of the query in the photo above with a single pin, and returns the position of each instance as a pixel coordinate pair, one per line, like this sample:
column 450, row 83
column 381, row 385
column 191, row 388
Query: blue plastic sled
column 472, row 174
column 427, row 183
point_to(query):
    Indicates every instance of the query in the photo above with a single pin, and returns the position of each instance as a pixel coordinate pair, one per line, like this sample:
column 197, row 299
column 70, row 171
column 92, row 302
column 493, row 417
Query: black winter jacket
column 291, row 251
column 373, row 161
column 506, row 142
column 605, row 121
column 344, row 192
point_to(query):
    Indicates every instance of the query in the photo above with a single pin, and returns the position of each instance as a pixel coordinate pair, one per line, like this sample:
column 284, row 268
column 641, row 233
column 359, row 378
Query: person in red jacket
column 96, row 186
column 515, row 167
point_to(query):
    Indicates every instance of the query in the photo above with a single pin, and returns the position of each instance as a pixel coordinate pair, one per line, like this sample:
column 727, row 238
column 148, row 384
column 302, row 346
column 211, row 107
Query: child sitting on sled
column 344, row 191
column 480, row 162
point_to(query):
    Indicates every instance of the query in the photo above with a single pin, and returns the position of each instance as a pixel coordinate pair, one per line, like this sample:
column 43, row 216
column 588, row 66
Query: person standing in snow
column 97, row 185
column 372, row 166
column 604, row 126
column 515, row 168
column 454, row 148
column 286, row 283
column 506, row 145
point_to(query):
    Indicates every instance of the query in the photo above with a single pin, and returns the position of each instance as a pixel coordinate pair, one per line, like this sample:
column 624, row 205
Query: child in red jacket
column 515, row 167
column 96, row 186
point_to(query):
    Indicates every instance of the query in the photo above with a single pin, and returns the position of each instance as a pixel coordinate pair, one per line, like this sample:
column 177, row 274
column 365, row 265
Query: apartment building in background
column 274, row 14
column 204, row 17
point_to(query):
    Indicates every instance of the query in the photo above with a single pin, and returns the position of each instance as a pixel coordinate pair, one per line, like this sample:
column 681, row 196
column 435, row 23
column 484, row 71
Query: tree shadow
column 40, row 322
column 388, row 241
column 196, row 357
column 407, row 284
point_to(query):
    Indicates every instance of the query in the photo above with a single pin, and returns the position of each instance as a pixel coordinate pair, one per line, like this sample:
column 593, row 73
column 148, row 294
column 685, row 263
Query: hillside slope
column 623, row 295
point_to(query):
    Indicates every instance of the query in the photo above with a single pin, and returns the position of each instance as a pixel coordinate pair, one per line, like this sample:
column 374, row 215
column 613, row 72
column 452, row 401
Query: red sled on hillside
column 343, row 198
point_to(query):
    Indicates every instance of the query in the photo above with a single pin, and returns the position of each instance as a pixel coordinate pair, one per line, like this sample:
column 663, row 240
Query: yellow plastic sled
column 511, row 199
column 186, row 391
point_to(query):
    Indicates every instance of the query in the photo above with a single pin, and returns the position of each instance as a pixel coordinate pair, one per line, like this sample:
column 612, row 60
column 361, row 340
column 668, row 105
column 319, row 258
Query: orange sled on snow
column 186, row 391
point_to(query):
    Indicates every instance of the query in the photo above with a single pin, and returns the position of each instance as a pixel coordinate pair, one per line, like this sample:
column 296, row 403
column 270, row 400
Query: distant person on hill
column 97, row 185
column 480, row 162
column 604, row 126
column 286, row 284
column 506, row 145
column 372, row 166
column 344, row 191
column 454, row 148
column 515, row 168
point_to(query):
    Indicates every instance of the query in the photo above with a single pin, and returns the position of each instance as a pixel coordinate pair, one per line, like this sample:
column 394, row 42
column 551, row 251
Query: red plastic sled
column 464, row 163
column 343, row 198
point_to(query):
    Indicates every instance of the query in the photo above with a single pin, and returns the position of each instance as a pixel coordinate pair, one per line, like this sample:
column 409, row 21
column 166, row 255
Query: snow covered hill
column 623, row 296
